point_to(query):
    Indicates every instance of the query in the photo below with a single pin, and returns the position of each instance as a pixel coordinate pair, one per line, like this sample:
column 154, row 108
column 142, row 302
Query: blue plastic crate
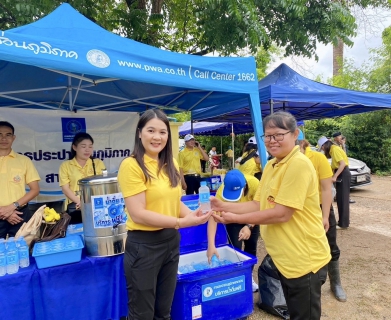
column 212, row 293
column 58, row 252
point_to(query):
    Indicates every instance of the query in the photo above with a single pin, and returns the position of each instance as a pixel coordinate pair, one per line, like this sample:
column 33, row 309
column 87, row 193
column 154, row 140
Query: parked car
column 361, row 174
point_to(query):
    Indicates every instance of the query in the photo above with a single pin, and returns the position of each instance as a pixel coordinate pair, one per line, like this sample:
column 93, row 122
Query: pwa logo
column 98, row 58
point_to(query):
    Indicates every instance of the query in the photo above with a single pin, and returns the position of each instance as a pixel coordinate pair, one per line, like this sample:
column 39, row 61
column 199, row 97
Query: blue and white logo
column 71, row 126
column 98, row 58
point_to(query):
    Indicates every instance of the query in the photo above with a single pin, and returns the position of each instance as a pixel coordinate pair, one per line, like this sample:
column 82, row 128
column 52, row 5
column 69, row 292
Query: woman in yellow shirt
column 150, row 184
column 248, row 164
column 80, row 165
column 341, row 178
column 286, row 205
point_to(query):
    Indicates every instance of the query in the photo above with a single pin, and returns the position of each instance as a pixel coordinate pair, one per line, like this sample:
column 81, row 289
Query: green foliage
column 368, row 134
column 369, row 138
column 314, row 129
column 205, row 26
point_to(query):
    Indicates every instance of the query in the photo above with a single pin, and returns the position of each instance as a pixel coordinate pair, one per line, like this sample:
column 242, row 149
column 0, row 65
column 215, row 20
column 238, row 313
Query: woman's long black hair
column 166, row 159
column 327, row 147
column 79, row 137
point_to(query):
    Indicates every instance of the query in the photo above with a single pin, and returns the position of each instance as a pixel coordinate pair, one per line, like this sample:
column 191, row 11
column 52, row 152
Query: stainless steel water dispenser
column 104, row 215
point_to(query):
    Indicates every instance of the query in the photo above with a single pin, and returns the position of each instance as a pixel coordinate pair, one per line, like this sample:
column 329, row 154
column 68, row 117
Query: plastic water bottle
column 214, row 262
column 3, row 258
column 204, row 194
column 24, row 259
column 12, row 258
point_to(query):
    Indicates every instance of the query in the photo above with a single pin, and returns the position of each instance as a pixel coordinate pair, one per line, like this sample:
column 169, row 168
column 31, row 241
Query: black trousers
column 203, row 165
column 151, row 266
column 193, row 183
column 303, row 295
column 331, row 235
column 343, row 197
column 250, row 245
column 12, row 229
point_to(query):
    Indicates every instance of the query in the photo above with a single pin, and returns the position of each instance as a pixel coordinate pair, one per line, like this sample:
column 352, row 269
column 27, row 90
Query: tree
column 357, row 7
column 368, row 134
column 205, row 26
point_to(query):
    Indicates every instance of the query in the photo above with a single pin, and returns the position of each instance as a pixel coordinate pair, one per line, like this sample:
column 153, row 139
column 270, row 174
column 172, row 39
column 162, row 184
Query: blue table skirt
column 92, row 289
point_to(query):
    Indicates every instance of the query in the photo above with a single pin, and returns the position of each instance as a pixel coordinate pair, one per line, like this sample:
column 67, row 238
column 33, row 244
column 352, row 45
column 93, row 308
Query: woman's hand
column 244, row 233
column 195, row 218
column 216, row 204
column 210, row 252
column 326, row 224
column 224, row 217
column 334, row 179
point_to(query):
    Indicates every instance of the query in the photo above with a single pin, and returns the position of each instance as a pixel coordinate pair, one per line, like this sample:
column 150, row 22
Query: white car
column 361, row 174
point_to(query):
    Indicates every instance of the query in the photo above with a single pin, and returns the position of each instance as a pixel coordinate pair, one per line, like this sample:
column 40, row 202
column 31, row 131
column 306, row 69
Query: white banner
column 45, row 136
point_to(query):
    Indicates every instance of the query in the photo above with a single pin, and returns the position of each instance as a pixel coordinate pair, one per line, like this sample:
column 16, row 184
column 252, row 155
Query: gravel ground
column 365, row 261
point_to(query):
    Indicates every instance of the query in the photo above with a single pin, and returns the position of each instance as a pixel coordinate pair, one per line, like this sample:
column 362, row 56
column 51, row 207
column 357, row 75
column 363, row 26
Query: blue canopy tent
column 65, row 61
column 215, row 128
column 285, row 89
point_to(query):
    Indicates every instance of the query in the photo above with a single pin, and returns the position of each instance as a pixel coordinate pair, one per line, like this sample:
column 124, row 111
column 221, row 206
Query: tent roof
column 215, row 128
column 306, row 99
column 65, row 61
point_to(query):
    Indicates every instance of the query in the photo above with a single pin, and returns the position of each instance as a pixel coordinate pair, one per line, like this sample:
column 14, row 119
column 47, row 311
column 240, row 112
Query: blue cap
column 300, row 136
column 234, row 183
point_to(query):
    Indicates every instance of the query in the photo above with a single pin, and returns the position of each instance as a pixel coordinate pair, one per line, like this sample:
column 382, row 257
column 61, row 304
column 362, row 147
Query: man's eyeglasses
column 6, row 136
column 276, row 137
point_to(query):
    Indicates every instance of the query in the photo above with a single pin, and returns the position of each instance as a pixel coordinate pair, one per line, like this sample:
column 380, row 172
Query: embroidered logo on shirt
column 270, row 199
column 17, row 178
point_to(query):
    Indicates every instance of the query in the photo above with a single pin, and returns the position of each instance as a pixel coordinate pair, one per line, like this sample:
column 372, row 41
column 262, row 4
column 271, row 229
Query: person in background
column 324, row 173
column 150, row 184
column 190, row 166
column 16, row 172
column 344, row 145
column 214, row 159
column 341, row 178
column 236, row 187
column 80, row 165
column 257, row 160
column 203, row 162
column 337, row 137
column 230, row 156
column 286, row 205
column 248, row 165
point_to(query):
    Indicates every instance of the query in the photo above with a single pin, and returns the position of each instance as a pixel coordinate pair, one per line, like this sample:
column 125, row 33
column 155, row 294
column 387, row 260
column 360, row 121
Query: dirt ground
column 365, row 260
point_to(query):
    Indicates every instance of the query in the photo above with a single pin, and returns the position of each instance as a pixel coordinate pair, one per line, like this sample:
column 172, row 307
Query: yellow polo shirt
column 71, row 172
column 159, row 195
column 16, row 171
column 189, row 161
column 298, row 246
column 252, row 183
column 229, row 153
column 250, row 167
column 337, row 154
column 321, row 165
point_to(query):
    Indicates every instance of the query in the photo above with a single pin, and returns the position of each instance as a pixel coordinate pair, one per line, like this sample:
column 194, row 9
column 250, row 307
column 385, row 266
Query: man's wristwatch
column 250, row 226
column 16, row 204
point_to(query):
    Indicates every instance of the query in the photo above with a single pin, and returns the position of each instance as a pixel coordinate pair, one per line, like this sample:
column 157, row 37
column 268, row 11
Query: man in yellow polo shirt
column 190, row 165
column 16, row 171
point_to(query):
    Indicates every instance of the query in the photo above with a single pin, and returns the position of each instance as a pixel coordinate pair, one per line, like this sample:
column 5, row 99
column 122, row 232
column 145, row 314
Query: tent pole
column 191, row 122
column 233, row 145
column 271, row 106
column 70, row 93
